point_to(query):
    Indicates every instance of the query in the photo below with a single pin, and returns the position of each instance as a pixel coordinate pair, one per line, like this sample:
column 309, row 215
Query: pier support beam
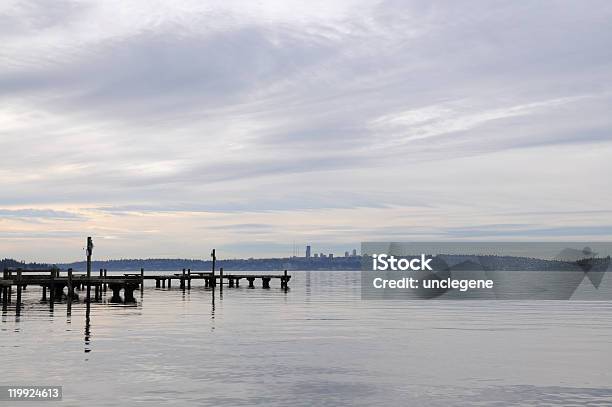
column 231, row 282
column 116, row 288
column 265, row 282
column 157, row 283
column 58, row 292
column 128, row 293
column 251, row 282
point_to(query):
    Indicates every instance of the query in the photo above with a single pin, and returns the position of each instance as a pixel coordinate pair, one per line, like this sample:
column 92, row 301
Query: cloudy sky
column 164, row 129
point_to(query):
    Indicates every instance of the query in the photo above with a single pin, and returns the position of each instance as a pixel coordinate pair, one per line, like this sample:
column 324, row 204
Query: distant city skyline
column 165, row 129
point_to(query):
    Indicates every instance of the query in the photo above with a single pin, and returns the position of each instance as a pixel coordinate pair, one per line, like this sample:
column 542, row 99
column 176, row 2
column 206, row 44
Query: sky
column 164, row 129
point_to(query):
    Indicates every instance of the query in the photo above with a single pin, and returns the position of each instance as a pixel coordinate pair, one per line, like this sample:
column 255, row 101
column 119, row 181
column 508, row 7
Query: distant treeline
column 10, row 263
column 293, row 263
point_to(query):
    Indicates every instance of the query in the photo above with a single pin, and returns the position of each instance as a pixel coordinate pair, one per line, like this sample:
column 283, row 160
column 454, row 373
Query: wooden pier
column 62, row 285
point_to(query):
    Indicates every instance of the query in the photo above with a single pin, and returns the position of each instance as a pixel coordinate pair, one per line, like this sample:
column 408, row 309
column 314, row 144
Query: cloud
column 38, row 214
column 199, row 115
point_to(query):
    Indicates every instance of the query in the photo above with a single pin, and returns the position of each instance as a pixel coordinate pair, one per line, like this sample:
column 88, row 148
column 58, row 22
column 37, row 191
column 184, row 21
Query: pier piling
column 70, row 293
column 89, row 253
column 19, row 287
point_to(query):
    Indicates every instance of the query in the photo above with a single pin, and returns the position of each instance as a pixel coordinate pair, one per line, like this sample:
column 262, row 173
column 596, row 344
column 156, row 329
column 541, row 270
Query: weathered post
column 163, row 283
column 89, row 253
column 52, row 288
column 105, row 284
column 70, row 292
column 214, row 259
column 183, row 280
column 141, row 279
column 4, row 290
column 98, row 288
column 265, row 282
column 18, row 305
column 284, row 281
column 189, row 279
column 221, row 279
column 10, row 287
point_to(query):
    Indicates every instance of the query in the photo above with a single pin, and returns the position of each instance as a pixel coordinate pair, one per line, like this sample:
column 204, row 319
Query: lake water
column 317, row 344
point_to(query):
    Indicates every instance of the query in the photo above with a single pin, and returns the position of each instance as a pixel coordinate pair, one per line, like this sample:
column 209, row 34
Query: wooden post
column 189, row 279
column 52, row 288
column 89, row 253
column 4, row 290
column 214, row 259
column 142, row 279
column 10, row 287
column 18, row 305
column 284, row 281
column 163, row 283
column 183, row 280
column 221, row 279
column 169, row 282
column 98, row 293
column 105, row 284
column 69, row 305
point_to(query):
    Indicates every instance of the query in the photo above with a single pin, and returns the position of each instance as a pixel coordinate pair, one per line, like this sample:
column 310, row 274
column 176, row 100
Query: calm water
column 318, row 344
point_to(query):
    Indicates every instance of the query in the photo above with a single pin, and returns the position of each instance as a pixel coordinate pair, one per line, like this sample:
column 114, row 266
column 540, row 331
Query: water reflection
column 87, row 326
column 316, row 344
